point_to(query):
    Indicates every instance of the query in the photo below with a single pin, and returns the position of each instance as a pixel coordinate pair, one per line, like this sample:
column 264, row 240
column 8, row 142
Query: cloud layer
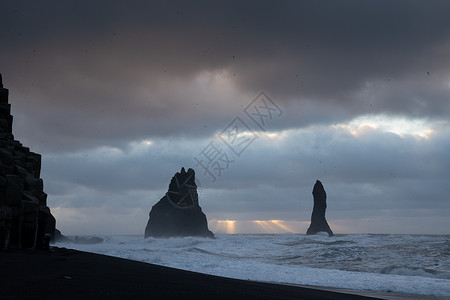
column 118, row 96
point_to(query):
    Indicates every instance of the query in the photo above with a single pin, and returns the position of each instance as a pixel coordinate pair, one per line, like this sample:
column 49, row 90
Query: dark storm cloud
column 135, row 62
column 118, row 96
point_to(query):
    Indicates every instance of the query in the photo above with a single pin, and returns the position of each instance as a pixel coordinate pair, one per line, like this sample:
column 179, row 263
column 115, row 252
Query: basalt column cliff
column 318, row 221
column 25, row 219
column 178, row 212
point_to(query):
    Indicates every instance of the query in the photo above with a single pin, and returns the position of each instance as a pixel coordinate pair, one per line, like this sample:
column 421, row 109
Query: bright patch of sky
column 257, row 226
column 401, row 126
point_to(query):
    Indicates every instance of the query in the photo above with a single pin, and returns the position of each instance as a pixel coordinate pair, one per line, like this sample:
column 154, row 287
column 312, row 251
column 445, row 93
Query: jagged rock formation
column 318, row 221
column 178, row 212
column 25, row 219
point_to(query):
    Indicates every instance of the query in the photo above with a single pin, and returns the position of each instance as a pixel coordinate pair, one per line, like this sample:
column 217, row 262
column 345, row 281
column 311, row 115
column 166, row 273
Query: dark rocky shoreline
column 25, row 218
column 69, row 274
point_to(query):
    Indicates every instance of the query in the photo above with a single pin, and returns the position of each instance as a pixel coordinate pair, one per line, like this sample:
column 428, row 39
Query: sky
column 260, row 98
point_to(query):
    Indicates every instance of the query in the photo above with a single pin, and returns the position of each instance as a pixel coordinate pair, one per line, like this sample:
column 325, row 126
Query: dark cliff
column 25, row 218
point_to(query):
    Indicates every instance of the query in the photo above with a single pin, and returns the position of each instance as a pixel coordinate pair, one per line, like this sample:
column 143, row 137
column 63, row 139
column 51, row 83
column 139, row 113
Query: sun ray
column 274, row 226
column 227, row 226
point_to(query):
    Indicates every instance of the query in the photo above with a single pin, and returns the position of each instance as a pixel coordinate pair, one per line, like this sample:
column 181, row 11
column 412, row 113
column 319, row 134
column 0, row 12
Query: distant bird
column 428, row 73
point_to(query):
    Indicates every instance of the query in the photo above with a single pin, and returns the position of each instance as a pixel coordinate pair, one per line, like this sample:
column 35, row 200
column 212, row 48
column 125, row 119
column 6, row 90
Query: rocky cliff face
column 25, row 219
column 318, row 221
column 178, row 212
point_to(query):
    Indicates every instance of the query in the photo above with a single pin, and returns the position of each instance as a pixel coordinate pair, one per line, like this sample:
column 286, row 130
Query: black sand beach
column 68, row 274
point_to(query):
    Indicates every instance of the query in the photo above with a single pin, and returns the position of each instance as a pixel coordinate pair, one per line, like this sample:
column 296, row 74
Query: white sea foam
column 397, row 263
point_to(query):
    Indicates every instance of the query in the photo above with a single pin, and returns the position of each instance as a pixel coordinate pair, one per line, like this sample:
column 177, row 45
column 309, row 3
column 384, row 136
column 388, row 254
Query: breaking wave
column 415, row 264
column 411, row 271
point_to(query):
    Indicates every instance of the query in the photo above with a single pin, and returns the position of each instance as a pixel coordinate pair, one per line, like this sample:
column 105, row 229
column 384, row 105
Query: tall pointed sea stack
column 318, row 221
column 178, row 212
column 25, row 219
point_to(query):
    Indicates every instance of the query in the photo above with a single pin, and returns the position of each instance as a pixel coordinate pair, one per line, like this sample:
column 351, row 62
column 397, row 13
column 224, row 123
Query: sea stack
column 318, row 221
column 178, row 212
column 25, row 218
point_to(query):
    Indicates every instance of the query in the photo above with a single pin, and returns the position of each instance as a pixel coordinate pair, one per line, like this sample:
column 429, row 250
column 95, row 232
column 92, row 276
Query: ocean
column 413, row 264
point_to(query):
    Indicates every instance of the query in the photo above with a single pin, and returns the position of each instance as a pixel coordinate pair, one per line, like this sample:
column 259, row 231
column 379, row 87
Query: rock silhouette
column 25, row 219
column 318, row 221
column 178, row 212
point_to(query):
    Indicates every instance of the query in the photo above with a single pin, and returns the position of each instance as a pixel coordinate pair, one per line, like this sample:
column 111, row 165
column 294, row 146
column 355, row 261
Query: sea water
column 414, row 264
